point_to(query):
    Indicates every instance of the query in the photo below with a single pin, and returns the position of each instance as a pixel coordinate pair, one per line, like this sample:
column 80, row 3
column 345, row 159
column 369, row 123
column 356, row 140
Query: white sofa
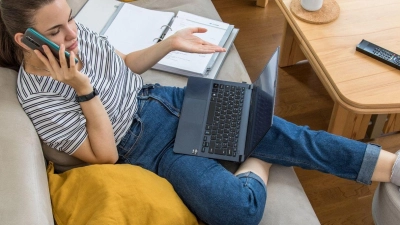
column 24, row 193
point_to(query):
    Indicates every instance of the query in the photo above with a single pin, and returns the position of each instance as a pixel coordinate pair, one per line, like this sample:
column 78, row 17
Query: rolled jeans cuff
column 247, row 176
column 368, row 164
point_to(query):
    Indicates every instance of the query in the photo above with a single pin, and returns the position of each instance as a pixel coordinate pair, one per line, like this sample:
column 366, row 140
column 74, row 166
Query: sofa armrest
column 386, row 204
column 24, row 191
column 287, row 203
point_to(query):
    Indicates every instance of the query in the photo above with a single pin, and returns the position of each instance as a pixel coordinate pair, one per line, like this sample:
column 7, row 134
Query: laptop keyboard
column 223, row 120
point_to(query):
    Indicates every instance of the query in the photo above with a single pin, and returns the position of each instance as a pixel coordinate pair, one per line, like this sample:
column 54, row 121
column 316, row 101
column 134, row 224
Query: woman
column 123, row 121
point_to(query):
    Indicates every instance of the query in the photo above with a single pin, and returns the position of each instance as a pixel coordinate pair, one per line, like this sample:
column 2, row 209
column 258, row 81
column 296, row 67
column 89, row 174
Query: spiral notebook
column 132, row 28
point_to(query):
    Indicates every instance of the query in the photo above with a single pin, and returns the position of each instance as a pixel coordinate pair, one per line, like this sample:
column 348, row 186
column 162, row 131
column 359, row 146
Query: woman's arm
column 99, row 146
column 183, row 40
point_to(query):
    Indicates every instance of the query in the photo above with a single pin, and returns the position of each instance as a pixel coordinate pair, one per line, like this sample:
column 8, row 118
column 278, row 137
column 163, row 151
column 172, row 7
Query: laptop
column 226, row 120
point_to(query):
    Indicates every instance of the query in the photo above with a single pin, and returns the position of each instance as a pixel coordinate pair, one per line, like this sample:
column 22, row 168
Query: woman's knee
column 248, row 213
column 245, row 205
column 214, row 194
column 238, row 213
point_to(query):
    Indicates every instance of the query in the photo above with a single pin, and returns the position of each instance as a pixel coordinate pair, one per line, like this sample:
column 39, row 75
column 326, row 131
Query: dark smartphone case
column 35, row 40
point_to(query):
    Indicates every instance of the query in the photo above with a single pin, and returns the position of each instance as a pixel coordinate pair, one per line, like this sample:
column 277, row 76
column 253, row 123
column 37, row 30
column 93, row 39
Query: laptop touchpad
column 190, row 128
column 198, row 88
column 194, row 111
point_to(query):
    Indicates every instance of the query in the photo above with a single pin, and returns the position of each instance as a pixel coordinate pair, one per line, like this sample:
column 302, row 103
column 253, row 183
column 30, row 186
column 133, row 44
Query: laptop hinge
column 250, row 85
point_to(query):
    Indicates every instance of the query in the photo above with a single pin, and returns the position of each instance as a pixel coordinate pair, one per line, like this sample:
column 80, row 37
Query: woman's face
column 56, row 23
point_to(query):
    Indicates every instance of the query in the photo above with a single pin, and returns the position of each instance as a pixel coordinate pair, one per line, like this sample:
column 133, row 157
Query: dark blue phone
column 35, row 40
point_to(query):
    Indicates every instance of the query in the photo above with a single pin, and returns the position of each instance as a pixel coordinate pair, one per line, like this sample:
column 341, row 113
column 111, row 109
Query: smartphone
column 35, row 40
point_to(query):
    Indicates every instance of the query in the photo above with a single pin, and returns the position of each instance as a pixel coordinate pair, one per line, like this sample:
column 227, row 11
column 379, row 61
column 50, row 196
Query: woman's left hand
column 184, row 40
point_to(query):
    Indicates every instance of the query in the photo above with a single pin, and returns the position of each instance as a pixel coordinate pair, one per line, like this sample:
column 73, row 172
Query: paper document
column 136, row 28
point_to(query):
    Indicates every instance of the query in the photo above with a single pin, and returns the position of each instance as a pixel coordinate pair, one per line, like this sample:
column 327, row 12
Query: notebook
column 132, row 28
column 226, row 120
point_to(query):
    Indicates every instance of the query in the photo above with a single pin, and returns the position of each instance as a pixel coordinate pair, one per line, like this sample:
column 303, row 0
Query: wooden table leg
column 377, row 125
column 393, row 123
column 348, row 124
column 262, row 3
column 290, row 50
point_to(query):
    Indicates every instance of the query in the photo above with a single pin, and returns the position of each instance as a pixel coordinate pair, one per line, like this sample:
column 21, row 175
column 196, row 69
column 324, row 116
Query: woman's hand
column 184, row 40
column 59, row 70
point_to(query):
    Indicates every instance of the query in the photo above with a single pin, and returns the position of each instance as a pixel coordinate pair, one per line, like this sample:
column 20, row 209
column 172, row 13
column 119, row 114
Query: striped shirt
column 51, row 105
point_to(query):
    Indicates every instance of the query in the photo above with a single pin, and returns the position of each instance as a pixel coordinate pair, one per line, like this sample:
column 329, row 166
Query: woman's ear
column 18, row 39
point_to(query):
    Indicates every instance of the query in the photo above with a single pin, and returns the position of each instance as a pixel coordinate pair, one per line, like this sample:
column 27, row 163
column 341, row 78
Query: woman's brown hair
column 15, row 17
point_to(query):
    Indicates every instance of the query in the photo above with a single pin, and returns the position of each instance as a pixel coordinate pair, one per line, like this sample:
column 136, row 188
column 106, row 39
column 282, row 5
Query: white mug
column 312, row 5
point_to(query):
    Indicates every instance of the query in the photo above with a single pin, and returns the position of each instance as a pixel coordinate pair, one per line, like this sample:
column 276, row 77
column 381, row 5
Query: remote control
column 379, row 53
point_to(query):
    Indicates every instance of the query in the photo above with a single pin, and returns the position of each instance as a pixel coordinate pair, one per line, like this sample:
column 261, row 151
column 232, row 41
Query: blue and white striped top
column 51, row 104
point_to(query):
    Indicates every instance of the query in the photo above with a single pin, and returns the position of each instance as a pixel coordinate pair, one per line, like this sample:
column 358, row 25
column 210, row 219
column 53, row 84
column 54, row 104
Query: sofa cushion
column 115, row 194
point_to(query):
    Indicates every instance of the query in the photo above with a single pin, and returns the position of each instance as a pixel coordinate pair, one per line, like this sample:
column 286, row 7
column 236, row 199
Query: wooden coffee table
column 366, row 92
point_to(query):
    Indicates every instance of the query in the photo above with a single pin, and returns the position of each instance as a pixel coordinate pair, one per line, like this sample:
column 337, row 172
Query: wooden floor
column 301, row 99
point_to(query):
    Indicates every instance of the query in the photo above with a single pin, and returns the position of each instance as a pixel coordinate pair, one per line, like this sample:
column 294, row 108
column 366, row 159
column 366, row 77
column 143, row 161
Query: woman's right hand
column 61, row 72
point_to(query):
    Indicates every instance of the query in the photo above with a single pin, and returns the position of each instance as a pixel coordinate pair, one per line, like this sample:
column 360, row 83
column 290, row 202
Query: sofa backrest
column 21, row 156
column 15, row 124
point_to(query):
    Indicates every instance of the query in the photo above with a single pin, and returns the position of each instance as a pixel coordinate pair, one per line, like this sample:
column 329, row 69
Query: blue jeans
column 211, row 192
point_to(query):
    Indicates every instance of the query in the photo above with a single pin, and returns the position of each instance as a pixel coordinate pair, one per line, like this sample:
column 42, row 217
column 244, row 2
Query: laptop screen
column 262, row 103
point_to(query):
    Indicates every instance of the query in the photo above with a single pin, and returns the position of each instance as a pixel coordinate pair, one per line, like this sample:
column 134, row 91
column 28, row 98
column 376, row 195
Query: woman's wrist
column 84, row 89
column 82, row 85
column 169, row 44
